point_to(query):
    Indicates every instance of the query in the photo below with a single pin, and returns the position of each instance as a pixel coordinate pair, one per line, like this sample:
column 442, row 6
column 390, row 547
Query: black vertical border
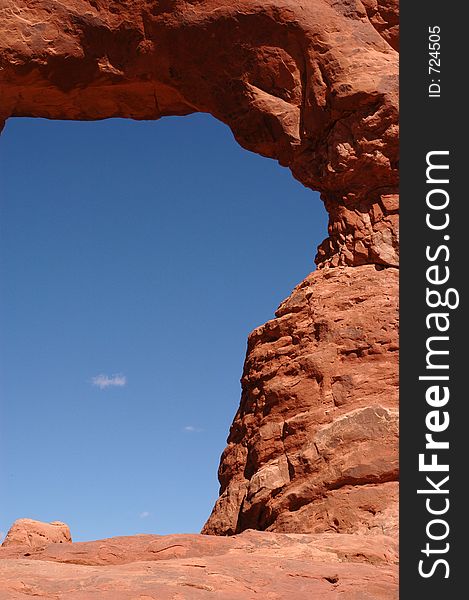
column 433, row 124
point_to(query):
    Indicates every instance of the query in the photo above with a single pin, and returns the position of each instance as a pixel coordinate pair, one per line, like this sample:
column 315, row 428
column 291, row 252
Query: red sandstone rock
column 188, row 567
column 312, row 84
column 384, row 16
column 314, row 445
column 34, row 534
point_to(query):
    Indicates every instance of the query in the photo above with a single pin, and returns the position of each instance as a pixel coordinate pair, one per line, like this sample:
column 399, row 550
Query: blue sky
column 135, row 258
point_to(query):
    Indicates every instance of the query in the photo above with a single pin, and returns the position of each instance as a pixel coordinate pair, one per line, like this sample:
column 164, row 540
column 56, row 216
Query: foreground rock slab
column 178, row 567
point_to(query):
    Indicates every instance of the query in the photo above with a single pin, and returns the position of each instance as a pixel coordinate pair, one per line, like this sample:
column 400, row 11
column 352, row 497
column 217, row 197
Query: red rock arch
column 314, row 86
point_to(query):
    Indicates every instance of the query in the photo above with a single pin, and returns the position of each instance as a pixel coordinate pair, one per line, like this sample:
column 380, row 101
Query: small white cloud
column 144, row 515
column 104, row 381
column 192, row 428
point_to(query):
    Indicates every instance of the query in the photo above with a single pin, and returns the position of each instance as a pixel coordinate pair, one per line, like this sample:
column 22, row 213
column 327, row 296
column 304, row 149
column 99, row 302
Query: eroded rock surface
column 36, row 534
column 314, row 444
column 312, row 84
column 189, row 567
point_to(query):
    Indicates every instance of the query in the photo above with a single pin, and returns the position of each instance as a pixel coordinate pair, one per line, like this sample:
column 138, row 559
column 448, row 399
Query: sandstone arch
column 313, row 85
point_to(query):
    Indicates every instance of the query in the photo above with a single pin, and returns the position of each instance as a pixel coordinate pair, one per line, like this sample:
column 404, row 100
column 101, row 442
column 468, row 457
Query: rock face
column 36, row 534
column 314, row 444
column 189, row 567
column 312, row 84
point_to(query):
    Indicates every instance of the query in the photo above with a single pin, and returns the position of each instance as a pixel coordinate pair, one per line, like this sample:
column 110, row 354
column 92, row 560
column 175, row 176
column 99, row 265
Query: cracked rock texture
column 313, row 84
column 314, row 444
column 189, row 567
